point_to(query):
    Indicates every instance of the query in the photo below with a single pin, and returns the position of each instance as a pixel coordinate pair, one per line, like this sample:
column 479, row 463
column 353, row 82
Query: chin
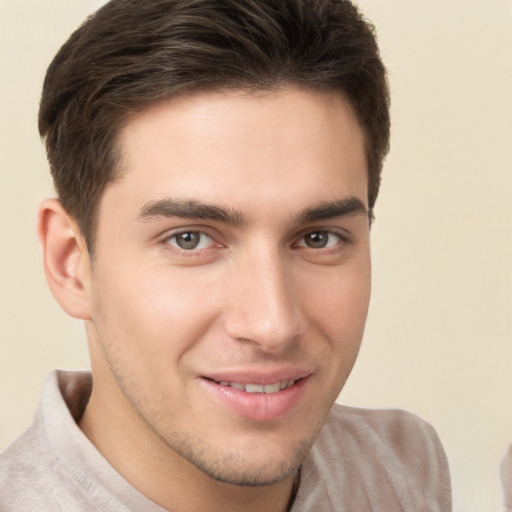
column 254, row 466
column 245, row 473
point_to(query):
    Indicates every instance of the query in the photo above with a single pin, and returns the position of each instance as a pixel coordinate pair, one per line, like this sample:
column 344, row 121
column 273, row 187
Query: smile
column 260, row 401
column 259, row 388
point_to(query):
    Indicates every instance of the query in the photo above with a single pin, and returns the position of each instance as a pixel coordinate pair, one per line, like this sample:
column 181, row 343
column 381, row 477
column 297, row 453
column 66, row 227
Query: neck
column 161, row 474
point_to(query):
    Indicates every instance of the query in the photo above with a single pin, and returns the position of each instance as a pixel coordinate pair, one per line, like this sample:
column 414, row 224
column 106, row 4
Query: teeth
column 254, row 388
column 287, row 384
column 259, row 388
column 272, row 388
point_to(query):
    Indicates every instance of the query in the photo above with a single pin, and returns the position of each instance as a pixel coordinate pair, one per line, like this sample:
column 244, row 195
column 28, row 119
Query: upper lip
column 258, row 376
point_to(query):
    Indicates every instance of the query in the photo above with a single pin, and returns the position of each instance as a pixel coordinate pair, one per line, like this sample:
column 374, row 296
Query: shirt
column 363, row 460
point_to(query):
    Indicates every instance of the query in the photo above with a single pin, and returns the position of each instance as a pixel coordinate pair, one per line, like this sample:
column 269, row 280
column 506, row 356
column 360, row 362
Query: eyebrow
column 191, row 209
column 333, row 209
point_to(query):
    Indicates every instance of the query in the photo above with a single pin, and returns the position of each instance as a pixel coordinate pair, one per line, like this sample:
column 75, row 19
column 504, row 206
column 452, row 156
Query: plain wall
column 438, row 339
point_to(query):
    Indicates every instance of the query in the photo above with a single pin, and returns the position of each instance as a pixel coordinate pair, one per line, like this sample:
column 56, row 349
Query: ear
column 66, row 259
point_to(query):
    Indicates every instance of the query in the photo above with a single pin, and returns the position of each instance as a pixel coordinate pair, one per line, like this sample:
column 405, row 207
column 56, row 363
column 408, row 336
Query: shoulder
column 34, row 474
column 392, row 430
column 386, row 458
column 24, row 476
column 506, row 479
column 400, row 440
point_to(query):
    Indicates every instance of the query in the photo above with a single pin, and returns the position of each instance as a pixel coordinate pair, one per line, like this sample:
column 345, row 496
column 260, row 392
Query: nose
column 262, row 304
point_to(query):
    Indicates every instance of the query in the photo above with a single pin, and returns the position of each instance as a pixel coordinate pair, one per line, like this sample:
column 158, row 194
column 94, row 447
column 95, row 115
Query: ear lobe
column 66, row 259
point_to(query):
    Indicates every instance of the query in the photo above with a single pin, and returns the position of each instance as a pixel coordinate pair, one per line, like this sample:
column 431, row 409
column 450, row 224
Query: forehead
column 236, row 147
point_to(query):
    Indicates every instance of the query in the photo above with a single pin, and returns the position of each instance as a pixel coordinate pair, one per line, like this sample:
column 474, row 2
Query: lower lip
column 258, row 406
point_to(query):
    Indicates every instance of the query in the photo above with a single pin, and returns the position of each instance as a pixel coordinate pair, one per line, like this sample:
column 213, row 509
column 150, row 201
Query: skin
column 277, row 281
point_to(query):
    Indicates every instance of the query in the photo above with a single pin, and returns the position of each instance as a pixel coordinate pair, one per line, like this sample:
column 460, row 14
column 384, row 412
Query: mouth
column 266, row 400
column 258, row 388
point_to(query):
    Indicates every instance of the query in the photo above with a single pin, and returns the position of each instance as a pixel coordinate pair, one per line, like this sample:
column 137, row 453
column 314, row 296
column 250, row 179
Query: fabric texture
column 506, row 479
column 363, row 460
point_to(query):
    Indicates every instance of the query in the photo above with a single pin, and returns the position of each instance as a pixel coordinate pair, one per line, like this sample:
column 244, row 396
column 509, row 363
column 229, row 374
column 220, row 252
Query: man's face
column 231, row 276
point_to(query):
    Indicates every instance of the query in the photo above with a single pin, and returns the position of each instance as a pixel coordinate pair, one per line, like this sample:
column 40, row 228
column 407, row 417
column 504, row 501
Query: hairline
column 119, row 155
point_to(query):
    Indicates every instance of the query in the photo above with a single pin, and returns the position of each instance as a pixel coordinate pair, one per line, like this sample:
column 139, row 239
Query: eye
column 190, row 240
column 320, row 240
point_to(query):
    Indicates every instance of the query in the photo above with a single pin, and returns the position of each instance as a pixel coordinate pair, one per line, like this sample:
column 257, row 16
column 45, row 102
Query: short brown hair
column 132, row 53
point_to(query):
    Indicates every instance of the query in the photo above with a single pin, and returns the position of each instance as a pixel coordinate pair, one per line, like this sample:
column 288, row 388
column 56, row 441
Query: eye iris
column 317, row 240
column 189, row 240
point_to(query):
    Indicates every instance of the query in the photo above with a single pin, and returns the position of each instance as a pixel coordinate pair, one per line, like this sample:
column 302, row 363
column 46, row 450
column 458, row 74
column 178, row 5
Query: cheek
column 339, row 316
column 337, row 312
column 338, row 302
column 151, row 319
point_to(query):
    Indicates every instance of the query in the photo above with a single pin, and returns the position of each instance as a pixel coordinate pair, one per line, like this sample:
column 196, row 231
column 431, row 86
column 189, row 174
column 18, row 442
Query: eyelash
column 192, row 251
column 342, row 239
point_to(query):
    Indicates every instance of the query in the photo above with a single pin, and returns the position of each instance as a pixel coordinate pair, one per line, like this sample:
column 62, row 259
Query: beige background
column 438, row 340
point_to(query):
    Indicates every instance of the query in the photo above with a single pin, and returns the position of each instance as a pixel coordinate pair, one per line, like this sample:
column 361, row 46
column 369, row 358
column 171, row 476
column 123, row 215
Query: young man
column 217, row 165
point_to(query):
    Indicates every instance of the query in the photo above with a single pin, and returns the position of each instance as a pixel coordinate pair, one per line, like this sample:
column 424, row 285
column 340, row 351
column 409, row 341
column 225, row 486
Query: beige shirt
column 363, row 460
column 506, row 480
